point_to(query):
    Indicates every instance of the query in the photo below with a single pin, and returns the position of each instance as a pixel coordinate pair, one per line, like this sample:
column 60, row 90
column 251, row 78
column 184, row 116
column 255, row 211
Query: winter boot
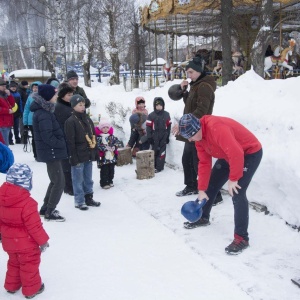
column 42, row 288
column 90, row 201
column 53, row 215
column 237, row 245
column 187, row 191
column 82, row 206
column 201, row 223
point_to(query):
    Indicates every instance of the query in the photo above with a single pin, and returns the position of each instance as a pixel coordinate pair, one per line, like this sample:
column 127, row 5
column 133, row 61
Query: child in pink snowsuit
column 23, row 235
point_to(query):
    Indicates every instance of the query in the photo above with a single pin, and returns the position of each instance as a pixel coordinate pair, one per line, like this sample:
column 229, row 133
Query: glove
column 44, row 247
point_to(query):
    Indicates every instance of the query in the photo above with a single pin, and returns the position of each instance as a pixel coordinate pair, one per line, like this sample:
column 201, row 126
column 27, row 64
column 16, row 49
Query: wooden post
column 145, row 164
column 124, row 156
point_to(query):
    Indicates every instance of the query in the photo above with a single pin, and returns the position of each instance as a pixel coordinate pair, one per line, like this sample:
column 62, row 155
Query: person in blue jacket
column 27, row 116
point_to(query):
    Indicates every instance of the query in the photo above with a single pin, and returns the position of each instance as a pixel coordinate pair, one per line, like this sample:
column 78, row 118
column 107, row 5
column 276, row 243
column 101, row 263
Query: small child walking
column 23, row 235
column 107, row 145
column 158, row 132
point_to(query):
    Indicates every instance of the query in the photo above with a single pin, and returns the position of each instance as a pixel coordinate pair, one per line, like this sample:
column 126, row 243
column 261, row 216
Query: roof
column 194, row 17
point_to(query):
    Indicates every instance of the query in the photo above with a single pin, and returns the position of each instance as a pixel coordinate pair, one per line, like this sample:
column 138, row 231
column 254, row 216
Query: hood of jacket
column 40, row 103
column 35, row 83
column 10, row 194
column 162, row 102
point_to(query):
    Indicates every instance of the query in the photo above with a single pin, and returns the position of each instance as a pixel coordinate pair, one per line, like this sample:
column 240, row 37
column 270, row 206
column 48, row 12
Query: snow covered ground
column 134, row 246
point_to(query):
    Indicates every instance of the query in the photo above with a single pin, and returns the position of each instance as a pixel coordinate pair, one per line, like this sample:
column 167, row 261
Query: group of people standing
column 67, row 141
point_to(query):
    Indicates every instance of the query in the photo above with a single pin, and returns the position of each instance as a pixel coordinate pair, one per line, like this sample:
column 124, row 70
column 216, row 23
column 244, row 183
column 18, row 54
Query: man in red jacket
column 23, row 235
column 7, row 102
column 238, row 154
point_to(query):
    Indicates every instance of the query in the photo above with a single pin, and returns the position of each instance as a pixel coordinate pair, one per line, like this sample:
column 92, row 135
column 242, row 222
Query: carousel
column 202, row 18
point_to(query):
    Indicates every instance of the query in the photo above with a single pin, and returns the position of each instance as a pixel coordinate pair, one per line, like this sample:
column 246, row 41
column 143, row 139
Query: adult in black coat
column 62, row 112
column 50, row 147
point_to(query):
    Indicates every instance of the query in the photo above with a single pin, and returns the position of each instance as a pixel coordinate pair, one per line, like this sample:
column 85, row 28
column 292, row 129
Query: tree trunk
column 226, row 11
column 18, row 38
column 124, row 156
column 263, row 38
column 114, row 52
column 136, row 56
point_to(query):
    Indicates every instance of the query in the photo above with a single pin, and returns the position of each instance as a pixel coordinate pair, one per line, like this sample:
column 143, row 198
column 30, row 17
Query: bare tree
column 117, row 14
column 263, row 38
column 226, row 10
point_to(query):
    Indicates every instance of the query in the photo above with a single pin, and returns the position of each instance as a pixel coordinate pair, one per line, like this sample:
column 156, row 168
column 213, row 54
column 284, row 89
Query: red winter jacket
column 226, row 139
column 20, row 223
column 6, row 103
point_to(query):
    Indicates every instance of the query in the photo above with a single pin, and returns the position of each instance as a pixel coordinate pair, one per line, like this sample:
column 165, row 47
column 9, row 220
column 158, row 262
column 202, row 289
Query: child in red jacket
column 23, row 235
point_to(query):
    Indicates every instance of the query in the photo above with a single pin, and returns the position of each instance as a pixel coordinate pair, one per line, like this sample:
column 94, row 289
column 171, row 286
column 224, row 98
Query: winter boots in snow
column 42, row 288
column 89, row 201
column 237, row 245
column 187, row 191
column 201, row 223
column 53, row 215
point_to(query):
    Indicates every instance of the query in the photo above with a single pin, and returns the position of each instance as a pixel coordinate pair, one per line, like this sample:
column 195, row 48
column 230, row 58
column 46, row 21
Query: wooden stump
column 124, row 156
column 145, row 164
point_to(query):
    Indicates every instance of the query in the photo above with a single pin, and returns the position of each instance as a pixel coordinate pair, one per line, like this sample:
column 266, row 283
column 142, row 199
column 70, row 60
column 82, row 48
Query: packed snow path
column 134, row 246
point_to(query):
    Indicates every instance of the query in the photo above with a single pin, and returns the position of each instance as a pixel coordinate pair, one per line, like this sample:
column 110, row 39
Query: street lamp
column 42, row 50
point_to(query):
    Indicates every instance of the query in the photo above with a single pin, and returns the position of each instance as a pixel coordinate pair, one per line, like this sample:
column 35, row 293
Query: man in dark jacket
column 81, row 141
column 72, row 79
column 62, row 112
column 50, row 147
column 158, row 132
column 199, row 101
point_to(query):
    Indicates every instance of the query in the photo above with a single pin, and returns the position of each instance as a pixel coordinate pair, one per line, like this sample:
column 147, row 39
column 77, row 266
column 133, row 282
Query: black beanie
column 196, row 64
column 24, row 82
column 46, row 91
column 71, row 74
column 13, row 84
column 64, row 89
column 75, row 99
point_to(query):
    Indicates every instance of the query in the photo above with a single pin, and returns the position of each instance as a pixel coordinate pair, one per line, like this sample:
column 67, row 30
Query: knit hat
column 21, row 175
column 159, row 101
column 24, row 82
column 189, row 125
column 53, row 81
column 139, row 100
column 75, row 99
column 104, row 123
column 2, row 81
column 64, row 89
column 137, row 118
column 71, row 74
column 46, row 91
column 13, row 84
column 196, row 64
